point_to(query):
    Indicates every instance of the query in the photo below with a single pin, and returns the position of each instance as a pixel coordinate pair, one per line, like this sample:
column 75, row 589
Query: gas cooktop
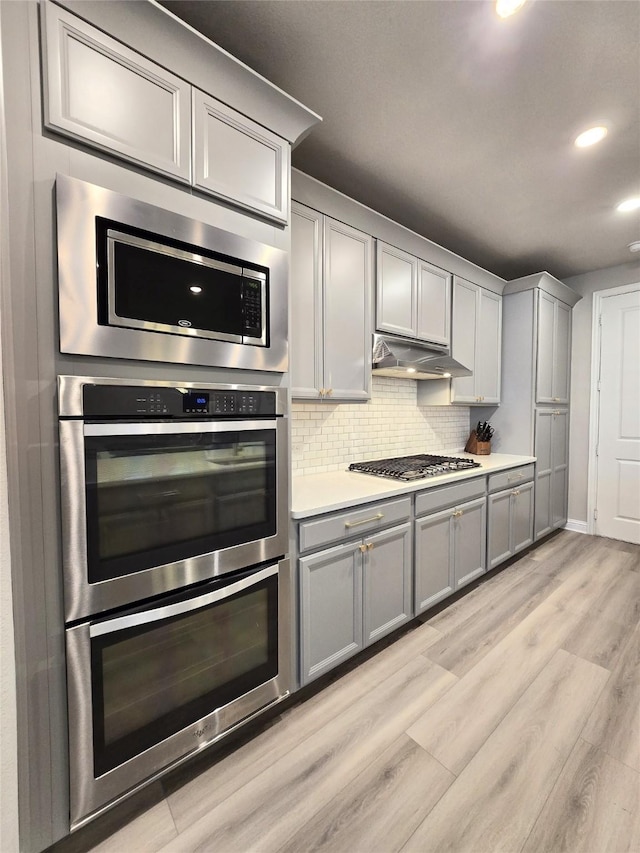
column 413, row 467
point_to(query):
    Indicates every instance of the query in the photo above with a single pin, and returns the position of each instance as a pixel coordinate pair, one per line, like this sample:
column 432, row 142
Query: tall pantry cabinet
column 533, row 417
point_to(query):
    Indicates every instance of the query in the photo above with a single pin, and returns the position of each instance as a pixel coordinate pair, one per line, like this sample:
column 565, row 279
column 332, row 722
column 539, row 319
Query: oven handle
column 177, row 429
column 192, row 604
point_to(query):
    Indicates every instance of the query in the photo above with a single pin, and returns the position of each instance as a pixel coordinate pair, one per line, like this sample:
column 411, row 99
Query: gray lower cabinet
column 510, row 523
column 552, row 453
column 352, row 595
column 450, row 544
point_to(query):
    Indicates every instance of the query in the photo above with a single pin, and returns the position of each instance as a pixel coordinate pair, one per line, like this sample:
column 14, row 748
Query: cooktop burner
column 413, row 467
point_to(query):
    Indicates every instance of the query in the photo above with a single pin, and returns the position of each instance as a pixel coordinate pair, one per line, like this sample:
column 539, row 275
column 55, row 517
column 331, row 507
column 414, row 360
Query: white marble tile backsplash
column 327, row 436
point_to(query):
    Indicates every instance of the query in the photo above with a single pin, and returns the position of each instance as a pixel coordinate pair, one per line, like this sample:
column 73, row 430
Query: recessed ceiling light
column 591, row 136
column 635, row 246
column 505, row 8
column 629, row 204
column 195, row 289
column 411, row 370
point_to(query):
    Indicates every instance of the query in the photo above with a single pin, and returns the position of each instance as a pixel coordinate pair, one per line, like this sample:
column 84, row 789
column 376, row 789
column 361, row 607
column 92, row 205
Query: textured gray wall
column 581, row 380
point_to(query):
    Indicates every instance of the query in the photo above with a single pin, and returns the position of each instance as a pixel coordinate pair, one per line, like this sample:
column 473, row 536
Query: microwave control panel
column 111, row 401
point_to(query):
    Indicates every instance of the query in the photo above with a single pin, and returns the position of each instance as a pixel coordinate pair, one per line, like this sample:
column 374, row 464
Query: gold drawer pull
column 375, row 517
column 515, row 477
column 458, row 513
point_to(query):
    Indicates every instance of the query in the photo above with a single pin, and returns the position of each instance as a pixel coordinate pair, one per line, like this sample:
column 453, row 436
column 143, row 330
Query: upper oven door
column 151, row 507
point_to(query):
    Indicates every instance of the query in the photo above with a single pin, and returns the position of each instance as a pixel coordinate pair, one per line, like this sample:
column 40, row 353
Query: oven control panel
column 128, row 401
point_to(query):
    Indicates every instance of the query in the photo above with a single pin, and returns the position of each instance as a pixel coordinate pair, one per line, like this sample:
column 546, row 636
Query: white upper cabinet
column 238, row 160
column 476, row 343
column 396, row 291
column 330, row 335
column 114, row 99
column 434, row 304
column 102, row 93
column 413, row 298
column 553, row 349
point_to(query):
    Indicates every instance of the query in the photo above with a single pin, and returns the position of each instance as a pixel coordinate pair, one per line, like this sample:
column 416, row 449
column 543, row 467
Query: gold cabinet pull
column 458, row 513
column 370, row 546
column 376, row 517
column 362, row 548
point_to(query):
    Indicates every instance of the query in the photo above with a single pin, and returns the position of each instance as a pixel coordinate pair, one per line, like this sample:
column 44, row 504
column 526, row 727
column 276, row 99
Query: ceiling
column 458, row 124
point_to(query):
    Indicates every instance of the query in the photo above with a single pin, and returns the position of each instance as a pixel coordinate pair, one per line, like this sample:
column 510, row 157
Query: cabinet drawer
column 506, row 479
column 435, row 499
column 355, row 522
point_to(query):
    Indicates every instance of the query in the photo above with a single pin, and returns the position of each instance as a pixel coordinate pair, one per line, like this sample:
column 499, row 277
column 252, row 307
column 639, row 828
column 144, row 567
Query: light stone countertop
column 314, row 494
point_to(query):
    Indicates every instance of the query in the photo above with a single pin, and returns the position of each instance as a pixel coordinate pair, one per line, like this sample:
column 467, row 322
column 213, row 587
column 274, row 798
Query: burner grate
column 413, row 467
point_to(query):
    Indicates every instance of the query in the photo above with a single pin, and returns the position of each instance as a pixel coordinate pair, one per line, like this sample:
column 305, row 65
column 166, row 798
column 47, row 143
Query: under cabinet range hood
column 406, row 359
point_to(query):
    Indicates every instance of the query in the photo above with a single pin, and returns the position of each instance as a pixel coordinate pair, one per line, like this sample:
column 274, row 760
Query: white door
column 618, row 471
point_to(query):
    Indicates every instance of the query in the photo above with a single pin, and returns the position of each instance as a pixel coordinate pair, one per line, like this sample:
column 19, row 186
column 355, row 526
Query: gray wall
column 581, row 380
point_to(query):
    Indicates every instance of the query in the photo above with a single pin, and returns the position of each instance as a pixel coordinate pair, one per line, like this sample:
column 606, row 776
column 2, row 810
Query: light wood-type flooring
column 508, row 720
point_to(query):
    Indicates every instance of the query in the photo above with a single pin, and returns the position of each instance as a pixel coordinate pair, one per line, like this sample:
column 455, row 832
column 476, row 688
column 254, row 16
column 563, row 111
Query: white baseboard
column 576, row 526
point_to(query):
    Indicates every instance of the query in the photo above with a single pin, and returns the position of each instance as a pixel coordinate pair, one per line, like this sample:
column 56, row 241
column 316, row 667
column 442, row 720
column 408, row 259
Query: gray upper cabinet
column 331, row 280
column 239, row 161
column 100, row 92
column 413, row 297
column 553, row 350
column 434, row 304
column 476, row 343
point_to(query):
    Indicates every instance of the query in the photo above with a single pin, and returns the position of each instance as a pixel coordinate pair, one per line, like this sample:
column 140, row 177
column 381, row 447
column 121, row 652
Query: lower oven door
column 149, row 686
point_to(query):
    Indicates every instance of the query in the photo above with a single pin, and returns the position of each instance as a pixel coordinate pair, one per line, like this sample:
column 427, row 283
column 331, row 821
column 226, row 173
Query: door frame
column 594, row 403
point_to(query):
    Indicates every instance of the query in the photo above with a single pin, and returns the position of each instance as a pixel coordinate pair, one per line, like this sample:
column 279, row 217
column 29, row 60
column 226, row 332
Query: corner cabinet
column 359, row 589
column 413, row 297
column 450, row 540
column 476, row 343
column 330, row 285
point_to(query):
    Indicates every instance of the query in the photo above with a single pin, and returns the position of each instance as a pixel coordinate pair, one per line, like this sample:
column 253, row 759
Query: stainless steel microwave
column 140, row 282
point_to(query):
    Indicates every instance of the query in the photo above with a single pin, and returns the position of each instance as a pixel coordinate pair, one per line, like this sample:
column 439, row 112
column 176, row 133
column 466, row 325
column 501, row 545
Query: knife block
column 478, row 448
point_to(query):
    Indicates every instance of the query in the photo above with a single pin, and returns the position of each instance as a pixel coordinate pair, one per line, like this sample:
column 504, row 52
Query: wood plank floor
column 508, row 720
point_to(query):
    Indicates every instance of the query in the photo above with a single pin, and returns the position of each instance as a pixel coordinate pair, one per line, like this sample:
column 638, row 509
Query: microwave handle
column 170, row 428
column 147, row 617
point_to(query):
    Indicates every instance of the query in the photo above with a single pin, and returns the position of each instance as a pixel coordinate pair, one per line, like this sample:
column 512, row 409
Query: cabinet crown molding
column 543, row 281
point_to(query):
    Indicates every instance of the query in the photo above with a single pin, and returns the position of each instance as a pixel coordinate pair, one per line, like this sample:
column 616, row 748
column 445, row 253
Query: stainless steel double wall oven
column 177, row 591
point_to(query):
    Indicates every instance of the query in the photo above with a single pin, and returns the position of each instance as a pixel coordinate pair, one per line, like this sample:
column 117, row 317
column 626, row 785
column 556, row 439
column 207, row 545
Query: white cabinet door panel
column 396, row 308
column 489, row 355
column 331, row 605
column 522, row 518
column 434, row 304
column 387, row 581
column 470, row 538
column 463, row 344
column 239, row 160
column 306, row 332
column 114, row 99
column 562, row 354
column 348, row 256
column 433, row 559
